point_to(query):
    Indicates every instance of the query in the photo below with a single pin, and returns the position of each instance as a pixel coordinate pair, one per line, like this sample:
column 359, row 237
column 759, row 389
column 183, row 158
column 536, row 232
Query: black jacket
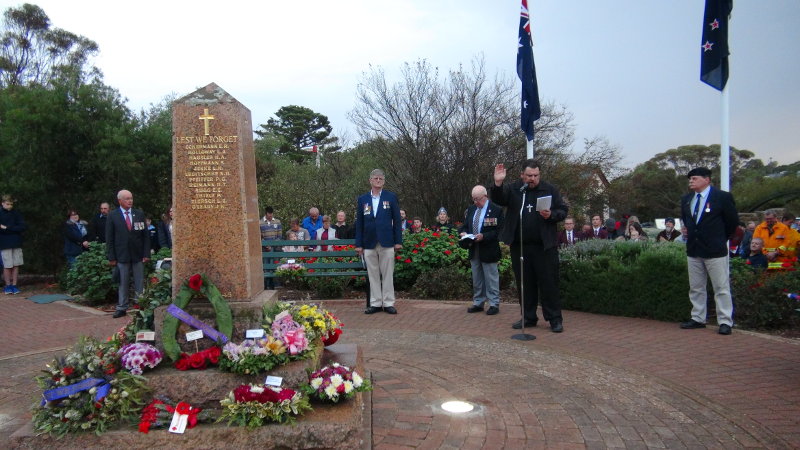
column 489, row 247
column 510, row 196
column 708, row 238
column 127, row 246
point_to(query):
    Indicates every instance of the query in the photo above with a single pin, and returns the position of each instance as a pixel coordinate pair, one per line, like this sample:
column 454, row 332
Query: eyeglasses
column 475, row 199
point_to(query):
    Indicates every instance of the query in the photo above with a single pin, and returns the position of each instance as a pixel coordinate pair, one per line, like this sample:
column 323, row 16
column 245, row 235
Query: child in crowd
column 757, row 258
column 292, row 236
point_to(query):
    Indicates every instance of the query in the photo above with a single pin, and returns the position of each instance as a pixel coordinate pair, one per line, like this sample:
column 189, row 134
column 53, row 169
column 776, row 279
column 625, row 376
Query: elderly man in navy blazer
column 378, row 234
column 710, row 216
column 127, row 247
column 484, row 220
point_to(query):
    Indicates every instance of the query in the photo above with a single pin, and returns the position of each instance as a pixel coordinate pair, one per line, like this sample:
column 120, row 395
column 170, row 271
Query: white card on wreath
column 179, row 422
column 273, row 381
column 194, row 335
column 146, row 336
column 254, row 334
column 290, row 261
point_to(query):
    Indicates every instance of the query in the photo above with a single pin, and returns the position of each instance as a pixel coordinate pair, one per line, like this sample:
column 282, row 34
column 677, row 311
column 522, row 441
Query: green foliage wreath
column 196, row 285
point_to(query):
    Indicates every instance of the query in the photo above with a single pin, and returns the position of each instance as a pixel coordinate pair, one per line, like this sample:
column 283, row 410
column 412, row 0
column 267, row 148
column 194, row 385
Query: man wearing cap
column 710, row 216
column 669, row 233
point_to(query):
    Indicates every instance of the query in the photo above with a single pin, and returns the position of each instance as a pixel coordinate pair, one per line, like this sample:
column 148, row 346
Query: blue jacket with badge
column 378, row 227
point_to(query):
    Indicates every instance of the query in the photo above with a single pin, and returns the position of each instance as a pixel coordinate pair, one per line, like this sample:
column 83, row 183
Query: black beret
column 700, row 172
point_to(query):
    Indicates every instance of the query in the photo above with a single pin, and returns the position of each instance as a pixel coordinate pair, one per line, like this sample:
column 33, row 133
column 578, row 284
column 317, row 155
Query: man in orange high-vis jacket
column 776, row 240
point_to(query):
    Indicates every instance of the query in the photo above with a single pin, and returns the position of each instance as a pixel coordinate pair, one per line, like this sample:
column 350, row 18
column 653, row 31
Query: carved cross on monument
column 205, row 118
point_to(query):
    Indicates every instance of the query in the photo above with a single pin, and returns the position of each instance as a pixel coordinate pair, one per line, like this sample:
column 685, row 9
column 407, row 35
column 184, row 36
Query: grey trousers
column 485, row 282
column 380, row 267
column 700, row 270
column 125, row 270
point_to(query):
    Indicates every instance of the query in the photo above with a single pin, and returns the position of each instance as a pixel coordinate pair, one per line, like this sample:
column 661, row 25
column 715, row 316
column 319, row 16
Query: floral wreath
column 196, row 285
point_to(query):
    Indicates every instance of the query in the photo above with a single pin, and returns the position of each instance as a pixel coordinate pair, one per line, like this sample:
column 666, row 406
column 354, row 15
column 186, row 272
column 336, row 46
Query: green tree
column 33, row 52
column 299, row 128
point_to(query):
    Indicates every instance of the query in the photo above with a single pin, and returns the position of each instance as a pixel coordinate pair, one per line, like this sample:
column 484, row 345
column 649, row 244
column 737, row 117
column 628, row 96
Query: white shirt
column 376, row 200
column 703, row 200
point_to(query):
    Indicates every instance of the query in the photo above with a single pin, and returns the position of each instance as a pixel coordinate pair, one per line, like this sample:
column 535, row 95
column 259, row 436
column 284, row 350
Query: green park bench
column 351, row 265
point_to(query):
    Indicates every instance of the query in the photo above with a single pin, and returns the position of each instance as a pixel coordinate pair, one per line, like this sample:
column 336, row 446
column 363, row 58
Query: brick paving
column 606, row 382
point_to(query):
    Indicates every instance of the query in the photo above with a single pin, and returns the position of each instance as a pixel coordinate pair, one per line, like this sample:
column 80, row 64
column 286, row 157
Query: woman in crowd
column 632, row 220
column 325, row 233
column 442, row 222
column 634, row 233
column 75, row 241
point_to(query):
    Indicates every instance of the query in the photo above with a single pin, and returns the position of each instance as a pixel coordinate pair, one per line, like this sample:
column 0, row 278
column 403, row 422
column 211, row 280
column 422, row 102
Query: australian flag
column 527, row 74
column 714, row 56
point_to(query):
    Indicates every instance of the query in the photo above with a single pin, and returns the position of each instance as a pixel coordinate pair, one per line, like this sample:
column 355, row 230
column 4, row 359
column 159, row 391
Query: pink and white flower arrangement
column 135, row 357
column 290, row 332
column 334, row 382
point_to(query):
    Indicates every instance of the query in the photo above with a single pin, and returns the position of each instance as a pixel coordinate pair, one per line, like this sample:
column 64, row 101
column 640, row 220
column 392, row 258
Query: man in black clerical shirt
column 537, row 242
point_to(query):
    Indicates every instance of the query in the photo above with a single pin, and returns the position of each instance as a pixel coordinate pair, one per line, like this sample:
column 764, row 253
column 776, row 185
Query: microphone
column 524, row 186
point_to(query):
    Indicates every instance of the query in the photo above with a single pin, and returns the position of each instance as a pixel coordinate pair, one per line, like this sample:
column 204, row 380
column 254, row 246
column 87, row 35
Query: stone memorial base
column 343, row 425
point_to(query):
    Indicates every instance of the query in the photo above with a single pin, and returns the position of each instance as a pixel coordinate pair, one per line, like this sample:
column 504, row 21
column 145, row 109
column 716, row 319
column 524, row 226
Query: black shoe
column 725, row 329
column 389, row 310
column 556, row 326
column 528, row 324
column 690, row 325
column 119, row 314
column 372, row 310
column 474, row 309
column 492, row 310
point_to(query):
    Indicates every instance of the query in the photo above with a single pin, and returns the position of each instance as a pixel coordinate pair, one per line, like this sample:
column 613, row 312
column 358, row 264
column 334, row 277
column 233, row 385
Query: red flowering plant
column 199, row 360
column 426, row 251
column 256, row 405
column 158, row 414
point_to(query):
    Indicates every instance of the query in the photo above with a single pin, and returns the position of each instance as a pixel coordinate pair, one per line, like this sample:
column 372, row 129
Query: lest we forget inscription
column 214, row 197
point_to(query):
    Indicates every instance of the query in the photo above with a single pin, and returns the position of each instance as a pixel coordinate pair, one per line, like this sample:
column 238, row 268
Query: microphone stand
column 522, row 336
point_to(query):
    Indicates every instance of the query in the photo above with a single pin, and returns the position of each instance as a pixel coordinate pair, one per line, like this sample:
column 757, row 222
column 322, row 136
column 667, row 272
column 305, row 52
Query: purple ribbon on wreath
column 190, row 320
column 103, row 388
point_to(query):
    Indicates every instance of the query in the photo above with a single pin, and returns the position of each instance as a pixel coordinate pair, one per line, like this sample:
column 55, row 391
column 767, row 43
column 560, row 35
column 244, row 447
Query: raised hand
column 499, row 174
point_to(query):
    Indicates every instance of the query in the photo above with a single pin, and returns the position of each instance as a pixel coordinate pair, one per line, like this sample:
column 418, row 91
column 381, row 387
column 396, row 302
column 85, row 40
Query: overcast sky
column 626, row 69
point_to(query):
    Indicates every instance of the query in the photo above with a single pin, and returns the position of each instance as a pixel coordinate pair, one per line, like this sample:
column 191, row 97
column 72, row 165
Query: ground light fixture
column 457, row 407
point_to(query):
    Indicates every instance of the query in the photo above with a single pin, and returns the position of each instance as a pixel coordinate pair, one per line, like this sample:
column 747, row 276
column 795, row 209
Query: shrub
column 759, row 297
column 90, row 276
column 633, row 279
column 443, row 283
column 329, row 287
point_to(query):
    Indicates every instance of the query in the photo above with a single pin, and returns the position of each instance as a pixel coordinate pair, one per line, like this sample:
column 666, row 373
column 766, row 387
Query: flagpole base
column 523, row 337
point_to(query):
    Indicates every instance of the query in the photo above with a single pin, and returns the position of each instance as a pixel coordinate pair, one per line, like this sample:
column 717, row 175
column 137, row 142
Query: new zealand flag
column 714, row 57
column 527, row 74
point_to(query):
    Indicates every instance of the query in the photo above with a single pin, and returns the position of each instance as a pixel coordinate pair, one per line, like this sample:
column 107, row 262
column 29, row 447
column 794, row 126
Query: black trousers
column 541, row 277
